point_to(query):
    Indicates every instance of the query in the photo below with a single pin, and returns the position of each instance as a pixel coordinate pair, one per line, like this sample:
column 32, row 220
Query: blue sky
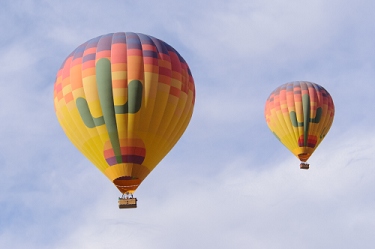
column 228, row 183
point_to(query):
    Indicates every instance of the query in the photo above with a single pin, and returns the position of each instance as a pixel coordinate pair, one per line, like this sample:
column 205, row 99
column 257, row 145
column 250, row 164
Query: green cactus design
column 104, row 85
column 306, row 117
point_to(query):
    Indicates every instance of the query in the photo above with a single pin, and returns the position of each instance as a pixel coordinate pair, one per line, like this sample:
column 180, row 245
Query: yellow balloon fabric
column 124, row 100
column 300, row 115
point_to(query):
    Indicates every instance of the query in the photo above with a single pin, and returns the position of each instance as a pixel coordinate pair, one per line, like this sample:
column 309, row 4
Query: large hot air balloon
column 124, row 100
column 300, row 115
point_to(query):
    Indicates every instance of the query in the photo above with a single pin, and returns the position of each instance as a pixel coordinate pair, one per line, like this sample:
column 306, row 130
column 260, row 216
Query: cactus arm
column 318, row 116
column 293, row 119
column 86, row 115
column 134, row 99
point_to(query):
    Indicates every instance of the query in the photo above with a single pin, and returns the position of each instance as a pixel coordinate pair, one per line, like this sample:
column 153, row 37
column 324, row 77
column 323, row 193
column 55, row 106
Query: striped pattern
column 124, row 100
column 300, row 115
column 132, row 151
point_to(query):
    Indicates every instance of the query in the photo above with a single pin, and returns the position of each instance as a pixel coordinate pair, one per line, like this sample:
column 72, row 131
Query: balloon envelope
column 300, row 115
column 124, row 100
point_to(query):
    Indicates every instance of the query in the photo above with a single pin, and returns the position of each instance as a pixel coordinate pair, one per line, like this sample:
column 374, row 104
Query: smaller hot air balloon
column 300, row 115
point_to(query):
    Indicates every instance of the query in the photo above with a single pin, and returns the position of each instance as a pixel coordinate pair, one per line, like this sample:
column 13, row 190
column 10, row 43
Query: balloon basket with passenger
column 304, row 165
column 304, row 157
column 127, row 201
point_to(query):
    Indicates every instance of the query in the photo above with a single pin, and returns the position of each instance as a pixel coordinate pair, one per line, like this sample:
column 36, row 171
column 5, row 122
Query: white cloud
column 281, row 206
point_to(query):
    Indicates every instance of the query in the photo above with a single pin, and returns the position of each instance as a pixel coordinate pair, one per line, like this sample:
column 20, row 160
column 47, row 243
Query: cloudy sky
column 228, row 183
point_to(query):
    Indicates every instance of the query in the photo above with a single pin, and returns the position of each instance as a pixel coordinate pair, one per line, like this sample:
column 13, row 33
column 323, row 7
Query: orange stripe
column 151, row 68
column 150, row 60
column 119, row 84
column 135, row 64
column 59, row 95
column 76, row 78
column 164, row 79
column 115, row 67
column 174, row 91
column 88, row 72
column 66, row 82
column 164, row 63
column 68, row 97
